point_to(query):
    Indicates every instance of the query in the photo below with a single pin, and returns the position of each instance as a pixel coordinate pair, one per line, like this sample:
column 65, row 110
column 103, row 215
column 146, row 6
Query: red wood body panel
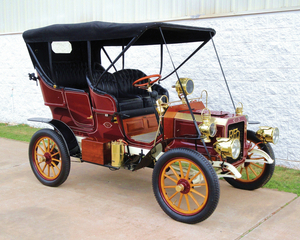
column 98, row 152
column 140, row 125
column 52, row 96
column 75, row 108
column 80, row 108
column 170, row 114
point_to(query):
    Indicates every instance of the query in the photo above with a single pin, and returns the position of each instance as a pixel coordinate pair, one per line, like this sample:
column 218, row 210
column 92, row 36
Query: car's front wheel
column 254, row 174
column 185, row 185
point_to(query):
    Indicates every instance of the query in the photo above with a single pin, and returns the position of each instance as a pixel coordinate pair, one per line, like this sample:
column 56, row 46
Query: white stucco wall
column 260, row 56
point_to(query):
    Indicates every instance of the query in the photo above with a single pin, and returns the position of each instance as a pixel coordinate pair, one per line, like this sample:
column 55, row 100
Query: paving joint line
column 265, row 219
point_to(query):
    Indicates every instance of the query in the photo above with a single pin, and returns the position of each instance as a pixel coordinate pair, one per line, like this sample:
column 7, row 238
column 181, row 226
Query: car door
column 79, row 106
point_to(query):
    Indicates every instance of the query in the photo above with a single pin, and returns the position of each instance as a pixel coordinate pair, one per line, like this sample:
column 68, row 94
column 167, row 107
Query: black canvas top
column 118, row 34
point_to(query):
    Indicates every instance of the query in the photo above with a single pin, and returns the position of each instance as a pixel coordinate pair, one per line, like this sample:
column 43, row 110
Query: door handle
column 90, row 117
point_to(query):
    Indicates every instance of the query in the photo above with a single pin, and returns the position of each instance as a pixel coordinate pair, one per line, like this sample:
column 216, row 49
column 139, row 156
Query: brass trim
column 239, row 110
column 206, row 96
column 266, row 134
column 179, row 188
column 224, row 147
column 188, row 117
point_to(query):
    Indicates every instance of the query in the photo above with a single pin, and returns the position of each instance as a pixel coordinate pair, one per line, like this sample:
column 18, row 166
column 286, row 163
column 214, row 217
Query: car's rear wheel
column 185, row 185
column 49, row 158
column 254, row 175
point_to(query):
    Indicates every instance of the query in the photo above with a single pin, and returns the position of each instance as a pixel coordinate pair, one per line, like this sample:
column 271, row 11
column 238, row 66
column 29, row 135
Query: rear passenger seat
column 71, row 74
column 132, row 101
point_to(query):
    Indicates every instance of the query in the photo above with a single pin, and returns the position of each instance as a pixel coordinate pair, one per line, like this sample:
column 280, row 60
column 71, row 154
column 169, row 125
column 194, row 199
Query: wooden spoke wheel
column 49, row 158
column 185, row 185
column 254, row 174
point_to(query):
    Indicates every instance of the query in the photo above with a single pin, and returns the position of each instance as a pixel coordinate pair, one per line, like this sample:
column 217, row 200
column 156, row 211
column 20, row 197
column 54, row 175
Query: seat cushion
column 125, row 79
column 129, row 104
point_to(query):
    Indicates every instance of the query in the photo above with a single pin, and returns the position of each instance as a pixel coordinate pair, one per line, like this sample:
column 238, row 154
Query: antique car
column 117, row 117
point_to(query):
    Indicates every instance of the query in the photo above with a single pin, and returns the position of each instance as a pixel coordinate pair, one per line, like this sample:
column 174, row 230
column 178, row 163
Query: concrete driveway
column 96, row 203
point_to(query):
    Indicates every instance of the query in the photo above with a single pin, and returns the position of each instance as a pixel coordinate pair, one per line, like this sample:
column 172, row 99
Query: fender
column 153, row 155
column 67, row 134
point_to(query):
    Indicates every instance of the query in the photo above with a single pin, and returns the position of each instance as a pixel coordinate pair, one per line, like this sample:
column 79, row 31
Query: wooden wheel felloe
column 49, row 158
column 254, row 175
column 184, row 188
column 251, row 171
column 185, row 185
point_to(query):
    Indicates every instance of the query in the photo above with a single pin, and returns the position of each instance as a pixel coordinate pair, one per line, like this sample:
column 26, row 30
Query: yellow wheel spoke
column 175, row 173
column 172, row 179
column 181, row 171
column 48, row 146
column 174, row 186
column 41, row 162
column 56, row 160
column 241, row 170
column 57, row 167
column 52, row 147
column 187, row 202
column 41, row 148
column 247, row 173
column 42, row 155
column 188, row 172
column 44, row 167
column 198, row 184
column 256, row 165
column 53, row 171
column 173, row 195
column 253, row 170
column 180, row 199
column 44, row 145
column 52, row 155
column 192, row 197
column 194, row 177
column 196, row 192
column 48, row 170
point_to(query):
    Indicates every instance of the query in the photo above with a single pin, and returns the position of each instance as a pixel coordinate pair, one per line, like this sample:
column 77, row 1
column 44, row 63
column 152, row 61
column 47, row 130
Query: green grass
column 21, row 132
column 283, row 179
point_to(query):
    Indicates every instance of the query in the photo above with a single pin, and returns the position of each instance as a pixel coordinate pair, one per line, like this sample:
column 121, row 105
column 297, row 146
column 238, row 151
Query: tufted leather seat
column 126, row 77
column 119, row 84
column 71, row 74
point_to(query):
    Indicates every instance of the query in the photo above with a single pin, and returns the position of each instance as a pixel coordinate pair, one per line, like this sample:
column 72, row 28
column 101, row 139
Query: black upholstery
column 119, row 84
column 107, row 83
column 70, row 74
column 125, row 78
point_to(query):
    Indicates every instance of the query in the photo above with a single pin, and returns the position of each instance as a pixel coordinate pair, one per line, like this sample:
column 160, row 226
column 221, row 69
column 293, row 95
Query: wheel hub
column 48, row 158
column 183, row 186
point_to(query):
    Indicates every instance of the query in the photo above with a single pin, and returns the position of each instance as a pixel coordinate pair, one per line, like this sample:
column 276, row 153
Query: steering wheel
column 147, row 84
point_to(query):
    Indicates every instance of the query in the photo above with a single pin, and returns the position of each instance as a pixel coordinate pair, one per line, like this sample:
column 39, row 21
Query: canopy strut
column 186, row 99
column 222, row 71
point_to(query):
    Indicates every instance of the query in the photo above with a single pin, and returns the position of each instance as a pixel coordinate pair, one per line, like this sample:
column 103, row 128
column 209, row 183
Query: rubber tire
column 209, row 173
column 64, row 156
column 267, row 172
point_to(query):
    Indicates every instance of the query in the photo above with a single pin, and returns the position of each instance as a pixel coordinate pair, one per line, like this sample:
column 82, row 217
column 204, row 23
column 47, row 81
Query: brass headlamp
column 187, row 86
column 207, row 127
column 268, row 134
column 228, row 147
